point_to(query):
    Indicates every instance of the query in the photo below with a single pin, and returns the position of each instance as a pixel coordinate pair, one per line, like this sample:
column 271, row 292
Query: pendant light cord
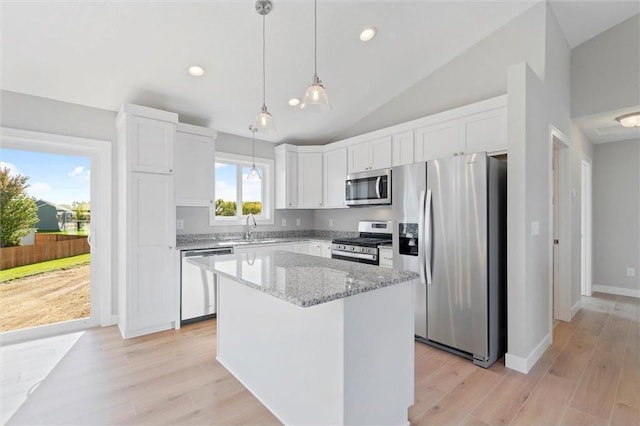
column 264, row 78
column 315, row 37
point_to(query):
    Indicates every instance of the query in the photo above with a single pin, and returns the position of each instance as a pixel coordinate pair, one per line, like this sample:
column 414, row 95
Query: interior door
column 457, row 294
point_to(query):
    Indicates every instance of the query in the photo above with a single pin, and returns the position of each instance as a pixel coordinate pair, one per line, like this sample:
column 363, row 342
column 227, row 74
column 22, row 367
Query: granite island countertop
column 301, row 279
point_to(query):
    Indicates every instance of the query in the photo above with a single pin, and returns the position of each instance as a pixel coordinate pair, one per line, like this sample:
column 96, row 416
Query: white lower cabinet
column 386, row 257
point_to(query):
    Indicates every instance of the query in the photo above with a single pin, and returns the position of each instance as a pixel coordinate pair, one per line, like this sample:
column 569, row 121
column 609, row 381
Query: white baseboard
column 619, row 291
column 575, row 309
column 523, row 365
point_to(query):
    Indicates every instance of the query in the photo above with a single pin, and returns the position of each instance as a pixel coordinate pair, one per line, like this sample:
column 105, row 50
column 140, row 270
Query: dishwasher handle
column 205, row 253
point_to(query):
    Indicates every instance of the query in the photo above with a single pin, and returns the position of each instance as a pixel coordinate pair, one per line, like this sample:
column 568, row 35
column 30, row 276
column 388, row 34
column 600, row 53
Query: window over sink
column 236, row 196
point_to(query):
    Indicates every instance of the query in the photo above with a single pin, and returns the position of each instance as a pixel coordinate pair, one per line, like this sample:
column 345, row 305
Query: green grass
column 39, row 268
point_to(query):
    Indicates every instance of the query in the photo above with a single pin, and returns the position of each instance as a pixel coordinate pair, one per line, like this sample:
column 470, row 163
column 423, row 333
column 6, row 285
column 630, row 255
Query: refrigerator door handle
column 428, row 242
column 421, row 245
column 378, row 180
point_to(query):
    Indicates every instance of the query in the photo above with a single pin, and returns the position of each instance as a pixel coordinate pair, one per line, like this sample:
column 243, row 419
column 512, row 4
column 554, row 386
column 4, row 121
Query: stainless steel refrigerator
column 450, row 226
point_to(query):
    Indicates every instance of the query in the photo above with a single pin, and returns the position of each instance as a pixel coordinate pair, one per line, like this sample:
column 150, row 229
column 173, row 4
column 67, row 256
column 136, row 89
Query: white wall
column 20, row 111
column 604, row 70
column 478, row 73
column 347, row 219
column 616, row 217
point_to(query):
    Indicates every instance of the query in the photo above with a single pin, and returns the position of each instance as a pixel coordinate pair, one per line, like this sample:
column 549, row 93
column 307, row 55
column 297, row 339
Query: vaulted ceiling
column 104, row 54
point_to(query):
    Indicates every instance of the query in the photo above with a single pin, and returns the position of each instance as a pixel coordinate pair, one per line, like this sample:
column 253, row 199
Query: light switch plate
column 535, row 228
column 631, row 272
column 298, row 222
column 284, row 222
column 330, row 223
column 180, row 224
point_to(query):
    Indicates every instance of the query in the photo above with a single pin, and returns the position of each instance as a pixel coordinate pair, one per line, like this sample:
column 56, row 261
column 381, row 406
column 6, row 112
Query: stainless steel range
column 363, row 249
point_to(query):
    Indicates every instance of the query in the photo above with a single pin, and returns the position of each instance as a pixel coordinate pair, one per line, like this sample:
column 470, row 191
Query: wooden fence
column 47, row 247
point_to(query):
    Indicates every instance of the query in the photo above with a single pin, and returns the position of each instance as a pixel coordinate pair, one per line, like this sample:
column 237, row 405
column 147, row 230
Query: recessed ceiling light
column 368, row 33
column 630, row 120
column 294, row 102
column 196, row 71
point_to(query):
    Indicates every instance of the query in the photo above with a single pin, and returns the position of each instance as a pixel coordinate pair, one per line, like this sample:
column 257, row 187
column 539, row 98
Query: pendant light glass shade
column 264, row 121
column 254, row 173
column 315, row 98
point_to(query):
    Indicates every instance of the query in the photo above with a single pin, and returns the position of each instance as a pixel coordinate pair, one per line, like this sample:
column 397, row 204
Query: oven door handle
column 354, row 255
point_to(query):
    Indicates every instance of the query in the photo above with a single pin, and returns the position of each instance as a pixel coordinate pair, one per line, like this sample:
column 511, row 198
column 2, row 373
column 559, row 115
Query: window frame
column 268, row 195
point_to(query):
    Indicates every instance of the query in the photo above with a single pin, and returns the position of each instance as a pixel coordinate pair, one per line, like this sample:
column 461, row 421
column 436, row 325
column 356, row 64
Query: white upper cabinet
column 286, row 166
column 335, row 175
column 370, row 155
column 151, row 145
column 480, row 132
column 194, row 165
column 437, row 141
column 403, row 148
column 485, row 131
column 309, row 179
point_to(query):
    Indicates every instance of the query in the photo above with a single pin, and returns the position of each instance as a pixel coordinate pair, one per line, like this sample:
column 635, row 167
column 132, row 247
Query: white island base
column 347, row 361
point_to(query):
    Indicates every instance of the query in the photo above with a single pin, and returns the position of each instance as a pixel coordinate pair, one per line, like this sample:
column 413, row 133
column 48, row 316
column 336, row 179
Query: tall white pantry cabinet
column 146, row 220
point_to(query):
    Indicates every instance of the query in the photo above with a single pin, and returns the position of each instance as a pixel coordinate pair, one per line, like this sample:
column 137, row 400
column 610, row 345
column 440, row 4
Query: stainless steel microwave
column 368, row 188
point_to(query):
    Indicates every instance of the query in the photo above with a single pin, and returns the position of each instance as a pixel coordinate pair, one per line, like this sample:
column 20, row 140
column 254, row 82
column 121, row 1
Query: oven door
column 371, row 259
column 368, row 188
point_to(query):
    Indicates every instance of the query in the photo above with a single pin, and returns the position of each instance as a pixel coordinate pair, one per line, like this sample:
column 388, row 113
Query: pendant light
column 315, row 98
column 264, row 120
column 254, row 173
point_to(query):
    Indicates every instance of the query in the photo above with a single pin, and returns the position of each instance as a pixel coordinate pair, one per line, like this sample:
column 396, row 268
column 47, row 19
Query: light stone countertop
column 301, row 279
column 239, row 242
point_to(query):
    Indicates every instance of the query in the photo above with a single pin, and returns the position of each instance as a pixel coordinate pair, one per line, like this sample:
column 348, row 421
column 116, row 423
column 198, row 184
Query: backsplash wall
column 196, row 221
column 347, row 219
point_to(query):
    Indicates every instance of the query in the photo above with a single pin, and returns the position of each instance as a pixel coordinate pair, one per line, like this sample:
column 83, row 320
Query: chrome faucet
column 250, row 228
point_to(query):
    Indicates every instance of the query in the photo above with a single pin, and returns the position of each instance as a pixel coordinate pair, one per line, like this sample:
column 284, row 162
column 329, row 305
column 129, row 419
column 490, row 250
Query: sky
column 60, row 179
column 226, row 184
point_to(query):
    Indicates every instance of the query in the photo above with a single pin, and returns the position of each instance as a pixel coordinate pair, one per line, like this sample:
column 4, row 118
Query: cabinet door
column 380, row 153
column 286, row 165
column 335, row 175
column 359, row 156
column 403, row 148
column 150, row 278
column 302, row 248
column 485, row 131
column 309, row 180
column 437, row 141
column 386, row 257
column 194, row 169
column 326, row 250
column 150, row 145
column 315, row 248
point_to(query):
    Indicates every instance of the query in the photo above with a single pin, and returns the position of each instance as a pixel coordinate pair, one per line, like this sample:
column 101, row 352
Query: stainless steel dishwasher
column 198, row 288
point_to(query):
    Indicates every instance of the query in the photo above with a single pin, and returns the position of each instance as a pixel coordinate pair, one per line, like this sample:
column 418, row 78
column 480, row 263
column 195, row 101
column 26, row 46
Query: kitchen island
column 316, row 340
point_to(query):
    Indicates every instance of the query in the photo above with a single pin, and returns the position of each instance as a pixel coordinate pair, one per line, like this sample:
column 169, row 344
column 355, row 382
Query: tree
column 82, row 213
column 225, row 208
column 18, row 211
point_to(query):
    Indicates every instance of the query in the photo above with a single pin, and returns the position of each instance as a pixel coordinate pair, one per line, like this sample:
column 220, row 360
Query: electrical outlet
column 298, row 222
column 180, row 224
column 330, row 223
column 284, row 222
column 631, row 272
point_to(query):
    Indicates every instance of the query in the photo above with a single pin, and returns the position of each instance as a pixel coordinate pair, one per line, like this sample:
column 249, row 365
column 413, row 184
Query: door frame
column 562, row 305
column 99, row 151
column 587, row 227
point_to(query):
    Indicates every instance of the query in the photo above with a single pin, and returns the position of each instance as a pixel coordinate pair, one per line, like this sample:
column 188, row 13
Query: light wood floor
column 589, row 376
